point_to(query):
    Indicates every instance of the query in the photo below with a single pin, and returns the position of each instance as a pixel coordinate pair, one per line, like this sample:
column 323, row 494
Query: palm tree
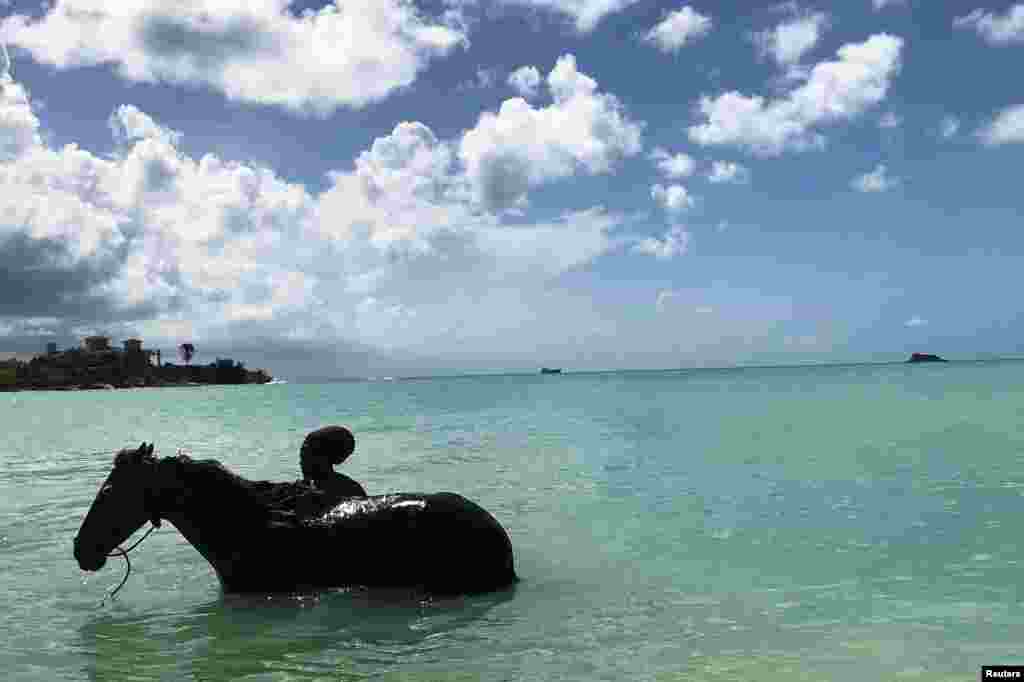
column 186, row 351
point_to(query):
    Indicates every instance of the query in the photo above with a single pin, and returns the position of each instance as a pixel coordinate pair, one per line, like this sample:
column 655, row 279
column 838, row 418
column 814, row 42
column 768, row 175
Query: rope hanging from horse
column 118, row 551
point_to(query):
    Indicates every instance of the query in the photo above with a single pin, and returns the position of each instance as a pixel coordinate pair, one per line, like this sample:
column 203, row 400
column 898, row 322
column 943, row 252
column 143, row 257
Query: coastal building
column 96, row 344
column 135, row 359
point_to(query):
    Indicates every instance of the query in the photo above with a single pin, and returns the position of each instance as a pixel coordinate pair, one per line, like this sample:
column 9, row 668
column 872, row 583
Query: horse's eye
column 106, row 489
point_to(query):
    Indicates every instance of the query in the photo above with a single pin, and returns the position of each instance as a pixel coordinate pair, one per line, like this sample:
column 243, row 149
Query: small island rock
column 925, row 357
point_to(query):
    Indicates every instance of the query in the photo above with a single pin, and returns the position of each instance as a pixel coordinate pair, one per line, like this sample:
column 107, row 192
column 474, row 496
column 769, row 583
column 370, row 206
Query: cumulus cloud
column 1007, row 127
column 526, row 81
column 673, row 198
column 678, row 28
column 882, row 4
column 788, row 42
column 521, row 146
column 19, row 126
column 5, row 64
column 673, row 243
column 728, row 172
column 915, row 321
column 878, row 180
column 585, row 14
column 397, row 251
column 673, row 166
column 834, row 91
column 128, row 124
column 346, row 54
column 996, row 29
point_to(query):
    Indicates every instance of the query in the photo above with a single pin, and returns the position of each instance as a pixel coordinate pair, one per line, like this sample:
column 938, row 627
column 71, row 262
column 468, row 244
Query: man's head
column 323, row 449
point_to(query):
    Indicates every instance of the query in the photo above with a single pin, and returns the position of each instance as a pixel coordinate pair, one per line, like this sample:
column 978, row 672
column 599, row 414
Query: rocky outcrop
column 925, row 357
column 79, row 369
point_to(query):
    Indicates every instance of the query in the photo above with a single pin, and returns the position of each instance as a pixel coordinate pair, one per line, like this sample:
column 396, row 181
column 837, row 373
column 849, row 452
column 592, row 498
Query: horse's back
column 443, row 542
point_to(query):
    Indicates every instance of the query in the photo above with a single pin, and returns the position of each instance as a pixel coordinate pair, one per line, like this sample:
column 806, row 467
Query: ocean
column 843, row 523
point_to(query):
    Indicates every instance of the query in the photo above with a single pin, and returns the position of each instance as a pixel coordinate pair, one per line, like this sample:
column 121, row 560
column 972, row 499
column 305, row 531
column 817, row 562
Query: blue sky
column 382, row 186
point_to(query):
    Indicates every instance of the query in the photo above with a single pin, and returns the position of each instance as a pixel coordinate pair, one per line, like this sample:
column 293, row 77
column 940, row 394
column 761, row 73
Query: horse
column 260, row 536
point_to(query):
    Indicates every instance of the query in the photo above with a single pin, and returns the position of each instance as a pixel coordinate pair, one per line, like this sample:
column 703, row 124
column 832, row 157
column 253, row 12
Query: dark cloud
column 36, row 281
column 207, row 46
column 503, row 181
column 39, row 278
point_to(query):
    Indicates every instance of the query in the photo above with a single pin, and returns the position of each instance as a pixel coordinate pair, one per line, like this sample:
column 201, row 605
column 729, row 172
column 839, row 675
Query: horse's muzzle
column 89, row 559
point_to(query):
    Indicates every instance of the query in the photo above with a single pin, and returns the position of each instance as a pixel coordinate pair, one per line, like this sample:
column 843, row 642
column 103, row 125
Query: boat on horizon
column 550, row 370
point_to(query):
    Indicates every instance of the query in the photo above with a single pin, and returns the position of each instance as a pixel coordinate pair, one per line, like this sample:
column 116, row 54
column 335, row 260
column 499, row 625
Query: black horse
column 270, row 537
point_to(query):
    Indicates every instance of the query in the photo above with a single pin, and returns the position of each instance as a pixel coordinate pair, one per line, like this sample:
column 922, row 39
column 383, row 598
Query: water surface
column 820, row 523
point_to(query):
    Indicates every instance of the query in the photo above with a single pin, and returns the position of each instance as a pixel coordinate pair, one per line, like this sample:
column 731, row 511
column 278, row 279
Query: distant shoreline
column 108, row 369
column 113, row 387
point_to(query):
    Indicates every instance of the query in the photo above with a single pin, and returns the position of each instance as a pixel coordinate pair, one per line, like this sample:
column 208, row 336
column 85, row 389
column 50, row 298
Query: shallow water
column 826, row 523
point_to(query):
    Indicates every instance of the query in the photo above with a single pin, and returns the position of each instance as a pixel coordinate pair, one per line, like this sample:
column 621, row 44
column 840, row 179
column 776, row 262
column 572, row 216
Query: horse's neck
column 210, row 509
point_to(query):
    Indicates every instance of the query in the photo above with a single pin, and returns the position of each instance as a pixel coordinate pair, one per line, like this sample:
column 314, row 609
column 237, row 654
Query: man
column 323, row 449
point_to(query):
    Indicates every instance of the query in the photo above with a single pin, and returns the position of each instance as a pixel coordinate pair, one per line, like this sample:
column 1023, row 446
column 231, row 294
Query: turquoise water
column 819, row 523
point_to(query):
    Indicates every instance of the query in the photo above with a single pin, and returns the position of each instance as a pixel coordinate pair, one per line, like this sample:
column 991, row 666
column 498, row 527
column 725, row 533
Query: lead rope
column 124, row 553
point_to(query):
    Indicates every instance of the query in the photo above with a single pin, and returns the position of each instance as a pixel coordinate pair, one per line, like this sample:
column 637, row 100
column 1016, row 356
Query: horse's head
column 121, row 506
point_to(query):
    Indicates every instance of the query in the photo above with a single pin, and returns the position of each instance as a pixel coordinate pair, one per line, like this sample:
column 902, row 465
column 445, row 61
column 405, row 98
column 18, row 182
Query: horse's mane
column 272, row 496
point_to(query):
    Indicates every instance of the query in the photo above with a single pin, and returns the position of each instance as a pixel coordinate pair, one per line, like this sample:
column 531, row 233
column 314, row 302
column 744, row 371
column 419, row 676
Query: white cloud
column 728, row 172
column 996, row 29
column 834, row 91
column 393, row 253
column 673, row 243
column 877, row 180
column 882, row 4
column 1007, row 127
column 19, row 126
column 788, row 42
column 678, row 28
column 889, row 120
column 526, row 81
column 949, row 127
column 673, row 166
column 915, row 321
column 129, row 124
column 520, row 146
column 673, row 198
column 586, row 14
column 396, row 253
column 346, row 54
column 5, row 64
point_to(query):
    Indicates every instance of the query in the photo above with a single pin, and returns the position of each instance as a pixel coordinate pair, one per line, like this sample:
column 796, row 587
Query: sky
column 367, row 187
